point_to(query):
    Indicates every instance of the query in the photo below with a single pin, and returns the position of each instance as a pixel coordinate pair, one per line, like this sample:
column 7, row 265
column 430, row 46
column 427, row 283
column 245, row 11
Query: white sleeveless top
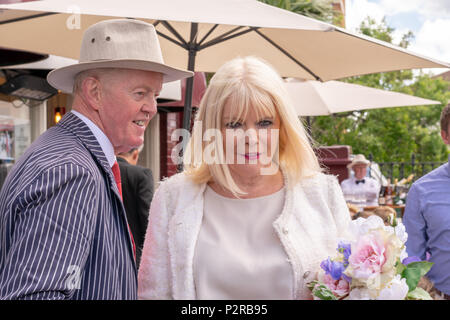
column 238, row 254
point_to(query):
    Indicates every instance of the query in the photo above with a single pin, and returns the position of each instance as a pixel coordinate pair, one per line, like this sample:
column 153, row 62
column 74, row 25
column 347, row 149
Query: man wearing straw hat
column 360, row 189
column 63, row 227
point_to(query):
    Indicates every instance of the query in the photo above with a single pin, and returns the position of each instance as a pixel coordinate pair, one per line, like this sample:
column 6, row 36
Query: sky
column 429, row 20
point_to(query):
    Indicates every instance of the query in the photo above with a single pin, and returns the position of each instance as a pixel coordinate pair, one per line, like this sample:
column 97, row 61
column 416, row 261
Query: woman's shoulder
column 320, row 181
column 180, row 184
column 176, row 179
column 319, row 186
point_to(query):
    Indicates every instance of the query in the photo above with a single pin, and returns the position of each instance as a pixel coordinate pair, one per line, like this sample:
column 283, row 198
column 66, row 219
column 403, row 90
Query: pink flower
column 340, row 288
column 368, row 256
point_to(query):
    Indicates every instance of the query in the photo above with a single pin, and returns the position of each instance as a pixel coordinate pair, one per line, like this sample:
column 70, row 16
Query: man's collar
column 102, row 139
column 122, row 160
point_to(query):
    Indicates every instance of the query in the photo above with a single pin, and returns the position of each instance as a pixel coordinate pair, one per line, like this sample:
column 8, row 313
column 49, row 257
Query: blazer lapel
column 183, row 232
column 77, row 126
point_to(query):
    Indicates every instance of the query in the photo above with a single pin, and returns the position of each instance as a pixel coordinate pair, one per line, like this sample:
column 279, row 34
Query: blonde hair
column 384, row 213
column 246, row 83
column 427, row 285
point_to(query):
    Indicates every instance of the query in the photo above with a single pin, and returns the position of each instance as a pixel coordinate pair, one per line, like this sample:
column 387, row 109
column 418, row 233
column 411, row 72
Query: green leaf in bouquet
column 414, row 271
column 418, row 294
column 323, row 292
column 312, row 284
column 399, row 267
column 393, row 220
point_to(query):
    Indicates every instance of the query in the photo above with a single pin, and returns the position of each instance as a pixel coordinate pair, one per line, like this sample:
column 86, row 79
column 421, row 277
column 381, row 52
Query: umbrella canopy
column 171, row 91
column 314, row 98
column 296, row 45
column 212, row 32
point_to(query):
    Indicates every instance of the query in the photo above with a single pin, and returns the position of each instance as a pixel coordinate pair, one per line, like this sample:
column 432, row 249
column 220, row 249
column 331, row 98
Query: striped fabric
column 63, row 228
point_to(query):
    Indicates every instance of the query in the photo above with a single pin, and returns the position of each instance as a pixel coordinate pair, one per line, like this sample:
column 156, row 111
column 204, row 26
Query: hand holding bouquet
column 374, row 266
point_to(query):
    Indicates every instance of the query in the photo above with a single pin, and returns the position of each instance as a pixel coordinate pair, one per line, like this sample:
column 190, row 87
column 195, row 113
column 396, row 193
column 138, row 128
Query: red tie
column 116, row 172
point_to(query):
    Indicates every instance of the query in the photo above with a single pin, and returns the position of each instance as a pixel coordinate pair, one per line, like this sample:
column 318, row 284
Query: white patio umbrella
column 212, row 32
column 315, row 98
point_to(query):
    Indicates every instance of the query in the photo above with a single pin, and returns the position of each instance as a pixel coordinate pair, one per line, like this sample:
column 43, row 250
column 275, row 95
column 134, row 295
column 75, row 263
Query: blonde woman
column 252, row 216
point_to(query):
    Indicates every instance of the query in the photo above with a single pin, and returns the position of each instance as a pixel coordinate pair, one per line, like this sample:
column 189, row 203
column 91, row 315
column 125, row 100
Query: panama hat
column 117, row 43
column 358, row 159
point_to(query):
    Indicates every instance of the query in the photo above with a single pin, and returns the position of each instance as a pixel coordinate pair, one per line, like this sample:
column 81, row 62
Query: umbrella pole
column 187, row 113
column 188, row 93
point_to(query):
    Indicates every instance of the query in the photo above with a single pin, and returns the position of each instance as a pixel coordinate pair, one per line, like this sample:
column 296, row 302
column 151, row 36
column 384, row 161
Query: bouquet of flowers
column 373, row 266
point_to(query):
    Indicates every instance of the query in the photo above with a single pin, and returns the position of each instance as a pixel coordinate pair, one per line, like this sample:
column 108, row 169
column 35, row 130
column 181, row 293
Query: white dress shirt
column 362, row 193
column 102, row 139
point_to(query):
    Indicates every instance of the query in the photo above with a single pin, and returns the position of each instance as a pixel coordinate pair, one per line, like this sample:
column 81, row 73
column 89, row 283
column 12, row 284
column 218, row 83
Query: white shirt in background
column 364, row 194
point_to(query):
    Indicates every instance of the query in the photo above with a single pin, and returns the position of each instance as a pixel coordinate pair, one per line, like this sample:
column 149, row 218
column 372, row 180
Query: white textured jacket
column 315, row 216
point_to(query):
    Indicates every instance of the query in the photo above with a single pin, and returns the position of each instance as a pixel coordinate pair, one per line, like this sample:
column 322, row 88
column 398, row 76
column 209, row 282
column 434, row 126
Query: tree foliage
column 390, row 134
column 316, row 9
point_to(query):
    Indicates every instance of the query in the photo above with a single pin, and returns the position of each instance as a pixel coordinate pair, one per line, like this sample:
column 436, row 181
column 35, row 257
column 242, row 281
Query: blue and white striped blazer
column 63, row 227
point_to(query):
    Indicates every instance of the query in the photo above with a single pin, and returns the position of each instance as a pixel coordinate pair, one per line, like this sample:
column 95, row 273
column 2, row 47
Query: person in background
column 427, row 217
column 386, row 213
column 63, row 227
column 362, row 214
column 360, row 189
column 254, row 216
column 137, row 191
column 429, row 287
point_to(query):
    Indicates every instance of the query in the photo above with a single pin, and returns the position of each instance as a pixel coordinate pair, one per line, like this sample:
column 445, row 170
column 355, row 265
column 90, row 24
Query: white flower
column 400, row 231
column 362, row 226
column 359, row 294
column 397, row 289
